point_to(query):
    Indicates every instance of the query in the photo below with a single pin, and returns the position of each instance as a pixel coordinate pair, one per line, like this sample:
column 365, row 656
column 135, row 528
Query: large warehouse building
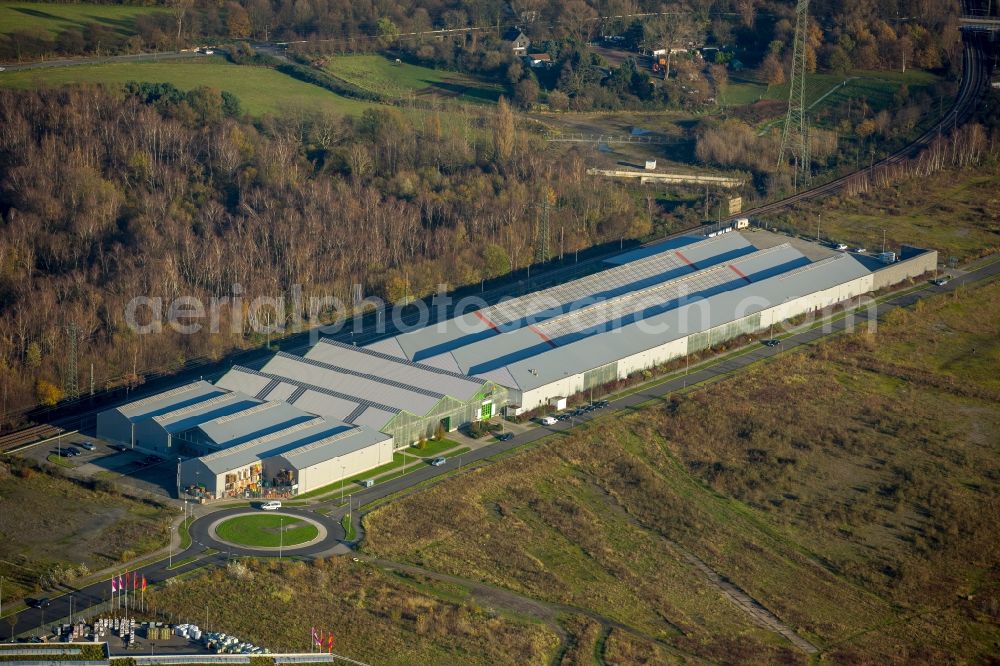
column 651, row 307
column 229, row 444
column 299, row 422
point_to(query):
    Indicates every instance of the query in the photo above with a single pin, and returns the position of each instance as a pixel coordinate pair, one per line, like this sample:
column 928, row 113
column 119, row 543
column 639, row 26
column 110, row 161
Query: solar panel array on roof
column 484, row 358
column 620, row 279
column 597, row 350
column 431, row 344
column 701, row 284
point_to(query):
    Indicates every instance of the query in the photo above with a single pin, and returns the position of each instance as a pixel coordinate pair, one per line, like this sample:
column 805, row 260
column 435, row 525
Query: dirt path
column 757, row 612
column 549, row 613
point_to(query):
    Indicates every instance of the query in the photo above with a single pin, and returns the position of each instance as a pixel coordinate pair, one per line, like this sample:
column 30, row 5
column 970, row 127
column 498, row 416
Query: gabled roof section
column 354, row 385
column 168, row 401
column 192, row 415
column 399, row 371
column 250, row 423
column 272, row 444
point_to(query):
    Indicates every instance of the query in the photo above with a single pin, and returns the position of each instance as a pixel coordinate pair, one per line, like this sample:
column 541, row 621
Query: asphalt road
column 69, row 62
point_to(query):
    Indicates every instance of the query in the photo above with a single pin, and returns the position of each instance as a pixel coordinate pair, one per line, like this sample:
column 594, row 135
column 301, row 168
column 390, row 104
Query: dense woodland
column 106, row 196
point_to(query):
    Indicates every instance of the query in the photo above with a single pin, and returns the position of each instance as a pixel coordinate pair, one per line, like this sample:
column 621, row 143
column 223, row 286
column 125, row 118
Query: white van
column 549, row 420
column 270, row 506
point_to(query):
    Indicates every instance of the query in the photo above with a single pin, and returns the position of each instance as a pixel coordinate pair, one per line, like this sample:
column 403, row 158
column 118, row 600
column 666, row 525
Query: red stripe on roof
column 739, row 272
column 542, row 336
column 486, row 320
column 686, row 261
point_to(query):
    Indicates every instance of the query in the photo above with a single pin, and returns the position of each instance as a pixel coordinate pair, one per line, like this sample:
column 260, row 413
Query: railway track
column 27, row 436
column 976, row 72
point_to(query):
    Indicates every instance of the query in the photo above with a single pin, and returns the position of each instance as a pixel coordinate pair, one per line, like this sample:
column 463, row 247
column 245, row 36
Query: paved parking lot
column 146, row 474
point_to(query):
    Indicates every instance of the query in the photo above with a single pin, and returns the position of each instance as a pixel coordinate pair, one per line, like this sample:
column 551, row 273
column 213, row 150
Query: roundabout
column 257, row 530
column 243, row 531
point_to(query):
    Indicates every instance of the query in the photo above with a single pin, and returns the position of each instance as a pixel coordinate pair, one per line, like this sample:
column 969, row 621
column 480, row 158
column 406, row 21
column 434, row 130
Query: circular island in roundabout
column 243, row 531
column 266, row 530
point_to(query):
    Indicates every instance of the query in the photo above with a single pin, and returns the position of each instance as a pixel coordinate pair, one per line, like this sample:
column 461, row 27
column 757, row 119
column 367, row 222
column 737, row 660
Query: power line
column 795, row 134
column 71, row 381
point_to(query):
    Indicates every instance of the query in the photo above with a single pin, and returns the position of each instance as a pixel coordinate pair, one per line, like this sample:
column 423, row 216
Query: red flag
column 114, row 584
column 144, row 583
column 329, row 642
column 121, row 583
column 135, row 581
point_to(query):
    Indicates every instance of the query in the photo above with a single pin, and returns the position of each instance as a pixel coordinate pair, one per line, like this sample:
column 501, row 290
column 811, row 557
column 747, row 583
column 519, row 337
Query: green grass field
column 877, row 87
column 383, row 76
column 53, row 18
column 260, row 90
column 741, row 91
column 432, row 448
column 266, row 530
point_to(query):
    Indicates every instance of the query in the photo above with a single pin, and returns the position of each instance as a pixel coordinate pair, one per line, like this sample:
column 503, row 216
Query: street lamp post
column 343, row 468
column 281, row 535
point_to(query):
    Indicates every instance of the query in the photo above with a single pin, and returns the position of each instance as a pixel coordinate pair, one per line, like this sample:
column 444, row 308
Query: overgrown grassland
column 375, row 617
column 49, row 526
column 852, row 490
column 956, row 213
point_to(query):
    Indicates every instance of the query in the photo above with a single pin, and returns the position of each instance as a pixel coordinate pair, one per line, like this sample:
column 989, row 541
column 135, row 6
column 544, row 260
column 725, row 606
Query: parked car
column 271, row 505
column 549, row 420
column 367, row 483
column 504, row 436
column 86, row 445
column 860, row 250
column 563, row 417
column 601, row 404
column 71, row 452
column 437, row 462
column 39, row 602
column 150, row 460
column 772, row 342
column 120, row 448
column 941, row 281
column 841, row 246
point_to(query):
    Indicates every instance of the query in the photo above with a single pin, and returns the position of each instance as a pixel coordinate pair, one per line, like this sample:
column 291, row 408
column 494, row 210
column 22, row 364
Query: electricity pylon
column 795, row 135
column 72, row 387
column 542, row 242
